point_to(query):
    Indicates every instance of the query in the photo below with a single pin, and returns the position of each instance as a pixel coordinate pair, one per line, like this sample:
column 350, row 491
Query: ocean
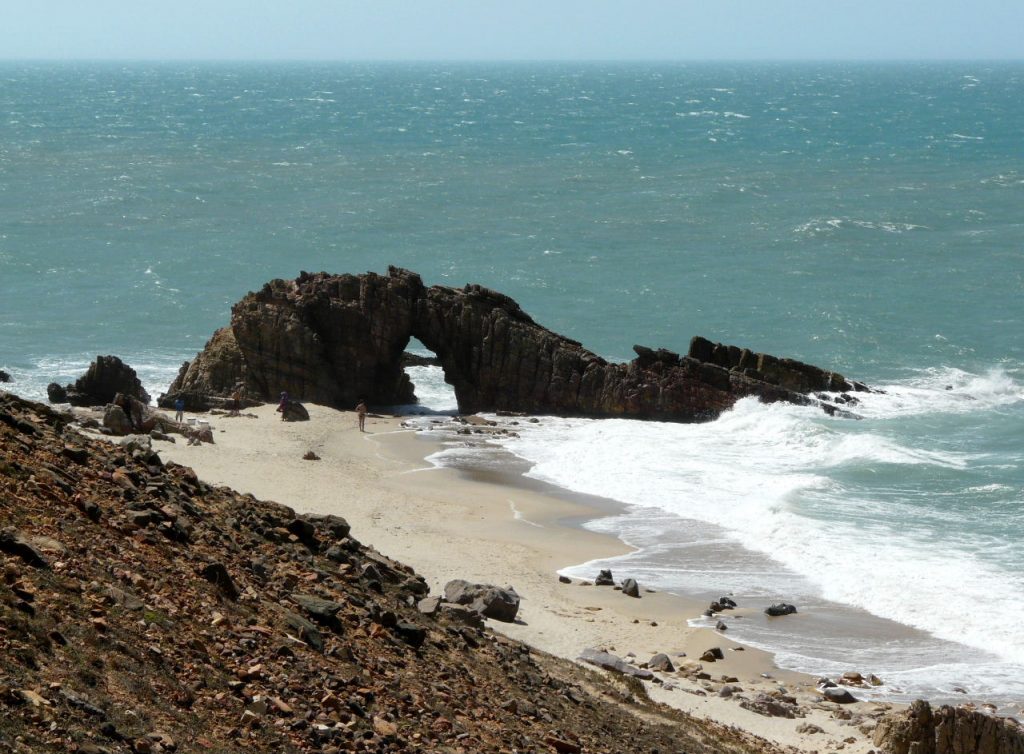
column 862, row 217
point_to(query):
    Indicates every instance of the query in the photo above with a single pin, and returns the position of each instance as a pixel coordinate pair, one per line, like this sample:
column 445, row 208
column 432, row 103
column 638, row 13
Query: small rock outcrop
column 293, row 411
column 947, row 730
column 611, row 662
column 336, row 339
column 4, row 377
column 105, row 378
column 781, row 608
column 490, row 601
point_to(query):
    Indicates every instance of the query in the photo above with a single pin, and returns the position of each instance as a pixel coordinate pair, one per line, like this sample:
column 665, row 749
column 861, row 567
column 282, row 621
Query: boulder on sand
column 490, row 601
column 293, row 411
column 782, row 608
column 609, row 661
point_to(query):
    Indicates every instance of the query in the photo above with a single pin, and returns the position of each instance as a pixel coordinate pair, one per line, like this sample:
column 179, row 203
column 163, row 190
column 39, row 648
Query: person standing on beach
column 179, row 410
column 361, row 413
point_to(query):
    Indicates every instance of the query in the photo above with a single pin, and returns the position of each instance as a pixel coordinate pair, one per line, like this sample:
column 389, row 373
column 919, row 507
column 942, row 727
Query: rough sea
column 867, row 218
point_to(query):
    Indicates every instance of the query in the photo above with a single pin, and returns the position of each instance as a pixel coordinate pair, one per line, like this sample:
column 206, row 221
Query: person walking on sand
column 179, row 409
column 361, row 413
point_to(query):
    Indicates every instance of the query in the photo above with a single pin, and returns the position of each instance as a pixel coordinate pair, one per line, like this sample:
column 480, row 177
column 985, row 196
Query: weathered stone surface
column 947, row 730
column 4, row 377
column 105, row 378
column 115, row 419
column 324, row 612
column 335, row 339
column 410, row 633
column 782, row 608
column 14, row 543
column 56, row 393
column 713, row 654
column 770, row 706
column 838, row 695
column 305, row 531
column 429, row 605
column 486, row 599
column 306, row 630
column 661, row 662
column 461, row 614
column 630, row 588
column 608, row 661
column 336, row 525
column 218, row 575
column 604, row 578
column 293, row 411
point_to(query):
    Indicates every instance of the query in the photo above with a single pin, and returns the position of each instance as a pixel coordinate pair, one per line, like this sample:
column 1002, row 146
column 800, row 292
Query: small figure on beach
column 179, row 409
column 283, row 405
column 236, row 402
column 361, row 411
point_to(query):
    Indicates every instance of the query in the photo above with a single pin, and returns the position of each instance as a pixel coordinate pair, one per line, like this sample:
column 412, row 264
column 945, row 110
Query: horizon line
column 477, row 61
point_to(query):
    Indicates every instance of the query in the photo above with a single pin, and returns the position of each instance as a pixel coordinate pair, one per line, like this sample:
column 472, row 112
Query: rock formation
column 333, row 339
column 948, row 730
column 105, row 378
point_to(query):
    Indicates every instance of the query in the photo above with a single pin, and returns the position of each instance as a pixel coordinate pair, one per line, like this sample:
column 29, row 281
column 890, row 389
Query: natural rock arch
column 333, row 339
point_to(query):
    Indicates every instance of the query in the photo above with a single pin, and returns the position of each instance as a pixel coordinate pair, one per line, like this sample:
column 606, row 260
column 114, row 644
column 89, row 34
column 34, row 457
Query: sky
column 511, row 30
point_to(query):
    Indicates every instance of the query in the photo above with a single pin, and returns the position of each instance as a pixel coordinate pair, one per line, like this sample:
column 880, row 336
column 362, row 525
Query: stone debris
column 608, row 661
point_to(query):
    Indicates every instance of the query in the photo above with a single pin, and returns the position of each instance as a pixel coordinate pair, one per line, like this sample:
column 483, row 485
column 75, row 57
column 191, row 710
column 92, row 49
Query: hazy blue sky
column 514, row 29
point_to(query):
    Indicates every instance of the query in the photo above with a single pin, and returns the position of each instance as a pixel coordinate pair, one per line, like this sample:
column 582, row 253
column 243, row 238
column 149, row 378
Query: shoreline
column 447, row 525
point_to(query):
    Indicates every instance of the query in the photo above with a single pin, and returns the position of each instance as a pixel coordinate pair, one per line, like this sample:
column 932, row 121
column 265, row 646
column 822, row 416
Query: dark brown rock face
column 105, row 378
column 334, row 339
column 948, row 730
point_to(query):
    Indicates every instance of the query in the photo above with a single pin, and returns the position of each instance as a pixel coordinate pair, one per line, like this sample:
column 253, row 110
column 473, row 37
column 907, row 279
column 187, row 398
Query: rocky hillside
column 143, row 611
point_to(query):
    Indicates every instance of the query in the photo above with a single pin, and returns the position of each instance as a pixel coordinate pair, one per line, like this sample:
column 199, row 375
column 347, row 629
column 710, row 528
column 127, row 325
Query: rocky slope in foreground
column 143, row 611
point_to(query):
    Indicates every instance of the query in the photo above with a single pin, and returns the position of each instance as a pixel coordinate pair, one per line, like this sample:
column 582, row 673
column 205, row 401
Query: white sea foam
column 828, row 225
column 944, row 390
column 770, row 478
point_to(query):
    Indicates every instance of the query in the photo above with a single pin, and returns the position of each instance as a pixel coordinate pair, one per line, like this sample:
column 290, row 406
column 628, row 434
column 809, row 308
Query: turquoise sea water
column 866, row 218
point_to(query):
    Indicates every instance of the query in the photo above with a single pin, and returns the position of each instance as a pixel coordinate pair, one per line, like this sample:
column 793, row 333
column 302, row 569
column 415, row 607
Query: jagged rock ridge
column 333, row 339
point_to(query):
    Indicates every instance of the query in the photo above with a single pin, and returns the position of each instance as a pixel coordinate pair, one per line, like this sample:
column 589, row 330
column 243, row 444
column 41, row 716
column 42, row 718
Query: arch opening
column 432, row 393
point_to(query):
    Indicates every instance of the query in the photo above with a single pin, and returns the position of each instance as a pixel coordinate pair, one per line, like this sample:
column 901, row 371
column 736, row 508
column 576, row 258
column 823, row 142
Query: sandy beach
column 447, row 526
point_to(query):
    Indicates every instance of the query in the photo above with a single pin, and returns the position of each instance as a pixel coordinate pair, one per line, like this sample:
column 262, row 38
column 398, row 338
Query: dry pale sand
column 448, row 526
